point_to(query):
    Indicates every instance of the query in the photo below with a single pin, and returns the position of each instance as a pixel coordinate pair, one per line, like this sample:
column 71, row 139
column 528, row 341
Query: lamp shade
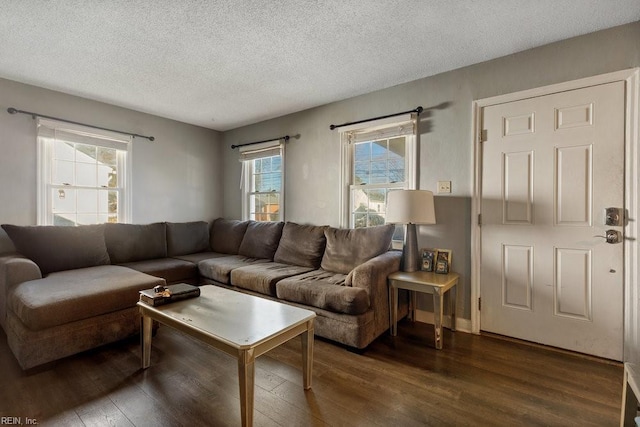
column 410, row 207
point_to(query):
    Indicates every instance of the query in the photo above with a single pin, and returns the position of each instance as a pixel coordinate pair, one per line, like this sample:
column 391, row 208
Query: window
column 377, row 159
column 82, row 175
column 263, row 177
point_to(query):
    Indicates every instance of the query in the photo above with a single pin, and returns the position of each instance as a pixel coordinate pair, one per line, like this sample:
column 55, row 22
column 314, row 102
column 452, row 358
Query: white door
column 550, row 167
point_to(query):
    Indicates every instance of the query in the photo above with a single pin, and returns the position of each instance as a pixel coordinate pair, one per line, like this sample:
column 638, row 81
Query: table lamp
column 410, row 207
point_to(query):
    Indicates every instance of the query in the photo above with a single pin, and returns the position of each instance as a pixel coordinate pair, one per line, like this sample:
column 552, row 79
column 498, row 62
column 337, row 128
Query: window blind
column 381, row 129
column 77, row 134
column 259, row 151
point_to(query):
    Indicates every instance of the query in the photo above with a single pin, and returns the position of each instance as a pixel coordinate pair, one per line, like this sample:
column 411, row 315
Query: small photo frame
column 428, row 259
column 443, row 261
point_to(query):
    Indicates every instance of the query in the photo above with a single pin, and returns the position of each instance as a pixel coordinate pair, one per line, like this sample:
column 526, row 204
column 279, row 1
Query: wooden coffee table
column 243, row 326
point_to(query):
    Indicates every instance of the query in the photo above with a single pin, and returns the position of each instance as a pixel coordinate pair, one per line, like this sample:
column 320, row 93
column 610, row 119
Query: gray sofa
column 69, row 289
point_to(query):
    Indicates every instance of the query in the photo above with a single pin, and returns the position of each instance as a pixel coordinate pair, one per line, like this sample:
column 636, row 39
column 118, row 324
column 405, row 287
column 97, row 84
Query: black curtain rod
column 286, row 138
column 12, row 110
column 418, row 110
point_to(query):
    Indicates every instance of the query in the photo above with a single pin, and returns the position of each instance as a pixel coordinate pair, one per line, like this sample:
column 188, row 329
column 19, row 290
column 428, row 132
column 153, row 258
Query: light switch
column 444, row 187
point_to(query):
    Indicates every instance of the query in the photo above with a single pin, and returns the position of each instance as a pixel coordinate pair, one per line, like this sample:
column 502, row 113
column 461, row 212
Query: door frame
column 631, row 294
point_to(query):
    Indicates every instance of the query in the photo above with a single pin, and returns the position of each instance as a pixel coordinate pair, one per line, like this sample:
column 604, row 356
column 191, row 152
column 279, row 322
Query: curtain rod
column 418, row 110
column 12, row 110
column 286, row 138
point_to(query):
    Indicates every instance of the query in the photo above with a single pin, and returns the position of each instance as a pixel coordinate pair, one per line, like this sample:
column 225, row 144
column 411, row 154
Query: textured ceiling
column 224, row 63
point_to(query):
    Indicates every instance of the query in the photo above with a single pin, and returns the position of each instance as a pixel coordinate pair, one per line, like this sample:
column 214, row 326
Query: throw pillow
column 58, row 248
column 301, row 245
column 226, row 235
column 348, row 248
column 135, row 242
column 261, row 239
column 185, row 238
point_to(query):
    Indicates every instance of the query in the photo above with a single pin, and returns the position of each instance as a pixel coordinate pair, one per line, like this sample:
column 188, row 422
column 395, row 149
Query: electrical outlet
column 444, row 187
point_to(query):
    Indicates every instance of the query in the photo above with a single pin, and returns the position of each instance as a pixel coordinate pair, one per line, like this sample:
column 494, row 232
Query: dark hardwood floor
column 402, row 381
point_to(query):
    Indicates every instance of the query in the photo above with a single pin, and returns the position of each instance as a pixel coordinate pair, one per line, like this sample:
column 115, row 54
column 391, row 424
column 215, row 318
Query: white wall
column 446, row 151
column 178, row 177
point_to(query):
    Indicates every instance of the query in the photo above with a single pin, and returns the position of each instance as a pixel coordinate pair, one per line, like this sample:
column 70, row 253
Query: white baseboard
column 462, row 325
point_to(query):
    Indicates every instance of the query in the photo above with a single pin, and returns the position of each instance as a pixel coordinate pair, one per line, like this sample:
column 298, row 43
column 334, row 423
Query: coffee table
column 241, row 325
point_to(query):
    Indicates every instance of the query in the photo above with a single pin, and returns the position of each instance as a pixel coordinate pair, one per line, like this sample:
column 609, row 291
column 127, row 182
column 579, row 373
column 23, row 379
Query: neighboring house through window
column 378, row 157
column 83, row 175
column 263, row 181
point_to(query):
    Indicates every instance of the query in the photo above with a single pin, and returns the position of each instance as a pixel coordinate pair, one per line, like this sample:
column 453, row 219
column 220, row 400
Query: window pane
column 86, row 153
column 379, row 150
column 64, row 200
column 86, row 219
column 361, row 174
column 266, row 164
column 64, row 219
column 377, row 200
column 87, row 201
column 359, row 220
column 62, row 172
column 107, row 156
column 362, row 151
column 368, row 207
column 257, row 166
column 379, row 173
column 264, row 207
column 396, row 147
column 86, row 175
column 113, row 202
column 276, row 164
column 105, row 174
column 396, row 170
column 63, row 151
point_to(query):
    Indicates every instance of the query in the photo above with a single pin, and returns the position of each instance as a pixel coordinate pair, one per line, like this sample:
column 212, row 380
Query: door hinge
column 479, row 219
column 483, row 136
column 480, row 304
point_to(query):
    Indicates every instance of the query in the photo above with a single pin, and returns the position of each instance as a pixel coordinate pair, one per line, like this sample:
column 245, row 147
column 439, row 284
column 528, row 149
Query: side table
column 429, row 283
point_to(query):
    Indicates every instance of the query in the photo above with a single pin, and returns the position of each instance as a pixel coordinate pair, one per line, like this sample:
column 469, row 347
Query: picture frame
column 443, row 261
column 428, row 259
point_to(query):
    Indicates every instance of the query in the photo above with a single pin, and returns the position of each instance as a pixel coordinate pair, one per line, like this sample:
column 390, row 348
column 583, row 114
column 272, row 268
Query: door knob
column 612, row 236
column 613, row 216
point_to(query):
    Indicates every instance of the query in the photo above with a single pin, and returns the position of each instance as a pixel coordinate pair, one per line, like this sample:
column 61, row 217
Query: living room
column 190, row 173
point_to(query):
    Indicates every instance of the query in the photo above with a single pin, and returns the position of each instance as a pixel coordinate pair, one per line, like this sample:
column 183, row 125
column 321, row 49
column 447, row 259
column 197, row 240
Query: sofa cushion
column 68, row 296
column 323, row 290
column 261, row 239
column 348, row 248
column 171, row 269
column 301, row 245
column 58, row 248
column 263, row 277
column 219, row 269
column 226, row 235
column 187, row 237
column 135, row 242
column 200, row 256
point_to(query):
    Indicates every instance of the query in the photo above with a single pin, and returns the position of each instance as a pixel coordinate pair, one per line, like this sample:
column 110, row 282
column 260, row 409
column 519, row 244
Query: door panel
column 551, row 165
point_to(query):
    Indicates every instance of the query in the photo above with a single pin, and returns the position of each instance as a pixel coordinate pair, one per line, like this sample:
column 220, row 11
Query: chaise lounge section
column 69, row 289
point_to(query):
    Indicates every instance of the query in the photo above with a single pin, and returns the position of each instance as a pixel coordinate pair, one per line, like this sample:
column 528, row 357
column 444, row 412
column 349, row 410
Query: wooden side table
column 429, row 283
column 630, row 395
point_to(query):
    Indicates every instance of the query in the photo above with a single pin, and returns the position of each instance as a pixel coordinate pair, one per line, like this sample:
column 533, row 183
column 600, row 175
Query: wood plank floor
column 474, row 380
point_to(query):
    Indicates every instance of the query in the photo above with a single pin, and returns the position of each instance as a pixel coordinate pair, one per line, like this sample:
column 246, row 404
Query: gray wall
column 176, row 178
column 446, row 151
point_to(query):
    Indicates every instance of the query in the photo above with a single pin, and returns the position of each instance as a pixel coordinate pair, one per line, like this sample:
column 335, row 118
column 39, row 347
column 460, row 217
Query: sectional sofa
column 69, row 289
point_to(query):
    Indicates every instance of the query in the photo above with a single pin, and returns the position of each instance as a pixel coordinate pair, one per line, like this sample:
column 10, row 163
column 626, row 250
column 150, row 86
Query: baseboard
column 462, row 325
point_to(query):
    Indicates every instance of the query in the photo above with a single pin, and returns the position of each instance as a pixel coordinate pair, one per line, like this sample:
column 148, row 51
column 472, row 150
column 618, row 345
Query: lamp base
column 410, row 249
